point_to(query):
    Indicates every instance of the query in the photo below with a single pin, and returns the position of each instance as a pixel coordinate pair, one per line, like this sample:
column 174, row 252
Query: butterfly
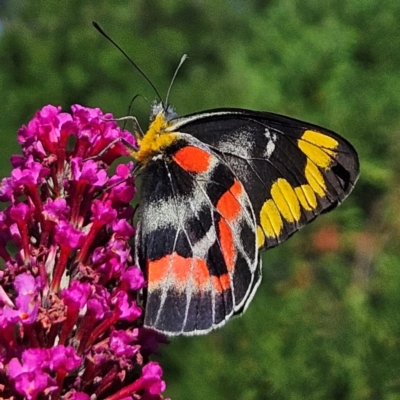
column 218, row 187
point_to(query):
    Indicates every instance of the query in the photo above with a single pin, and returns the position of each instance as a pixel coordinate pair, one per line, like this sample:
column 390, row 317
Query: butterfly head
column 166, row 110
column 157, row 137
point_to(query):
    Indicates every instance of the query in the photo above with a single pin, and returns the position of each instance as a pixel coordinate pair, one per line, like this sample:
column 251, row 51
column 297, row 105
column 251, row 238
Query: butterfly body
column 218, row 187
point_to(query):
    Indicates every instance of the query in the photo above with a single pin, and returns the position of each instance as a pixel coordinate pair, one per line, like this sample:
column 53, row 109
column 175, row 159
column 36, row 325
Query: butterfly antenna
column 184, row 57
column 132, row 101
column 130, row 107
column 97, row 26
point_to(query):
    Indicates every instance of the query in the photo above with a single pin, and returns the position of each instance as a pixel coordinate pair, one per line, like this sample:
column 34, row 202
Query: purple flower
column 88, row 171
column 33, row 383
column 133, row 278
column 121, row 343
column 68, row 236
column 28, row 375
column 98, row 303
column 56, row 210
column 76, row 295
column 30, row 173
column 123, row 229
column 150, row 381
column 70, row 323
column 26, row 306
column 26, row 285
column 127, row 309
column 103, row 212
column 63, row 358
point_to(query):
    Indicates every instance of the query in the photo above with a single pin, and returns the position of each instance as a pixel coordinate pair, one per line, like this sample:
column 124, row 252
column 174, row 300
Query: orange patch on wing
column 157, row 270
column 227, row 245
column 192, row 159
column 228, row 205
column 200, row 272
column 221, row 283
column 180, row 270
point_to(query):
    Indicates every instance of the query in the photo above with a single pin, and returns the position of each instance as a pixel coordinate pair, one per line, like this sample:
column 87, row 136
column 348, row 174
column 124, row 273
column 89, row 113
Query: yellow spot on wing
column 307, row 197
column 260, row 237
column 286, row 200
column 318, row 147
column 270, row 218
column 320, row 139
column 315, row 178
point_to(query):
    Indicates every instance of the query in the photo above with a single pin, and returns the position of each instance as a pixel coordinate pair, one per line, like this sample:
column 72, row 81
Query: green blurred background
column 325, row 323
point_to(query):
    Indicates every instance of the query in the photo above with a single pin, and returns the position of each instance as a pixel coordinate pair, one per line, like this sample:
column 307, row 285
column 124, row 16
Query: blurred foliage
column 326, row 322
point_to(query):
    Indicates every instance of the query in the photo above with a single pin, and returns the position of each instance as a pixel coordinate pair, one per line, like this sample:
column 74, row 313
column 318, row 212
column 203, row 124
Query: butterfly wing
column 196, row 240
column 291, row 170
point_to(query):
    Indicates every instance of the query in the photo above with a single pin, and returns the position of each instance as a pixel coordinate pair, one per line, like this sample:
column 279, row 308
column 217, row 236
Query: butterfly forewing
column 291, row 170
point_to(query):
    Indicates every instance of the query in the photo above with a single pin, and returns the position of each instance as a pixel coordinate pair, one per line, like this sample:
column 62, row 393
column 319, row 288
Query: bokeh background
column 325, row 323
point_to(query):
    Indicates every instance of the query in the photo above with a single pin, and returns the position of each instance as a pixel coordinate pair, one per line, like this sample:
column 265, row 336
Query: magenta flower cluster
column 70, row 325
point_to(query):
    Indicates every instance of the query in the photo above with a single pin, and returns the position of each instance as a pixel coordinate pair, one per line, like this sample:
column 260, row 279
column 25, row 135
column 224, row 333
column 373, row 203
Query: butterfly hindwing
column 196, row 238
